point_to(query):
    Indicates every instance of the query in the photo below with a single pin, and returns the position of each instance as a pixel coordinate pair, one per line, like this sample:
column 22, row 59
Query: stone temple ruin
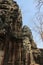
column 17, row 46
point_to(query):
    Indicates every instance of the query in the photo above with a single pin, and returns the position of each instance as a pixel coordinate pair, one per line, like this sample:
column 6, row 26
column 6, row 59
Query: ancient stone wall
column 10, row 32
column 33, row 55
column 17, row 46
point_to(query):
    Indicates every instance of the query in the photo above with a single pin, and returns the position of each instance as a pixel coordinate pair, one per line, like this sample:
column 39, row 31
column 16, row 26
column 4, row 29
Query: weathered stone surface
column 1, row 56
column 10, row 32
column 27, row 32
column 10, row 18
column 28, row 41
column 16, row 43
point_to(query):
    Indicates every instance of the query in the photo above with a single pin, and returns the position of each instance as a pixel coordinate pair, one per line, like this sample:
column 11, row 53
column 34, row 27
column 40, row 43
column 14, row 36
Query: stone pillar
column 13, row 58
column 10, row 52
column 22, row 56
column 20, row 62
column 31, row 55
column 1, row 57
column 6, row 52
column 26, row 61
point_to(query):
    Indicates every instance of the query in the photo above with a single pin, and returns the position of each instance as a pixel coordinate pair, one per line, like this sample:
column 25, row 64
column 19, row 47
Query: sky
column 28, row 11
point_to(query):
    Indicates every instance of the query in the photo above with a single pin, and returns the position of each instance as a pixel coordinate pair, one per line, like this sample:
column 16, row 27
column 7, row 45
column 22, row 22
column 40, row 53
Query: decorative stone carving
column 16, row 43
column 10, row 18
column 30, row 46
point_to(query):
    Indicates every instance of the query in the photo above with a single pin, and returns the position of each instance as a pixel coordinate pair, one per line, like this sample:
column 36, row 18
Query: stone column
column 6, row 52
column 10, row 56
column 1, row 57
column 19, row 54
column 31, row 55
column 26, row 61
column 13, row 58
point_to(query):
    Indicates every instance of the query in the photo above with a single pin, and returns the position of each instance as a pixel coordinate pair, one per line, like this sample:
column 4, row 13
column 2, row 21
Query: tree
column 38, row 20
column 39, row 3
